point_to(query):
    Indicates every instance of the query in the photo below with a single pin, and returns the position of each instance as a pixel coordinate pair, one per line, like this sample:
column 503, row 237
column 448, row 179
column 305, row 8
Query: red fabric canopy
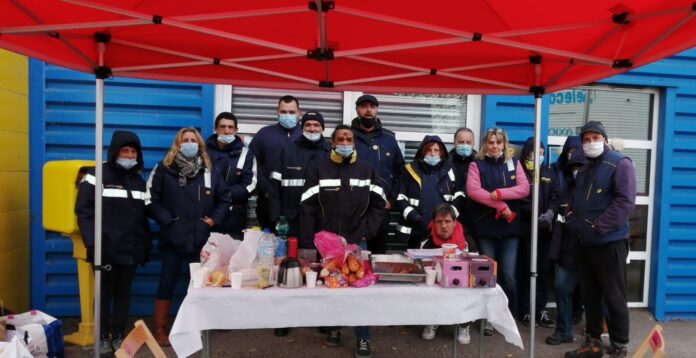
column 494, row 46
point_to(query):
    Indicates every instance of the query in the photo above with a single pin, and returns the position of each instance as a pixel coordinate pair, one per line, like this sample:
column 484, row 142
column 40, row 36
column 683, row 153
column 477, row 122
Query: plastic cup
column 236, row 280
column 193, row 267
column 197, row 278
column 311, row 278
column 449, row 251
column 430, row 275
column 365, row 255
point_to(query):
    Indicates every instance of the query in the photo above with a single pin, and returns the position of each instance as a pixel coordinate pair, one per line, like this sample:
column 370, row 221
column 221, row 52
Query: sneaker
column 557, row 339
column 105, row 348
column 545, row 320
column 487, row 328
column 429, row 332
column 333, row 339
column 362, row 349
column 592, row 348
column 281, row 332
column 617, row 351
column 463, row 336
column 116, row 342
column 527, row 320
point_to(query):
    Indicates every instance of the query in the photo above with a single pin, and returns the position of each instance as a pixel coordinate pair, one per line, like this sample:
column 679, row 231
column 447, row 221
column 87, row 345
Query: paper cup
column 365, row 255
column 197, row 278
column 430, row 275
column 193, row 267
column 449, row 251
column 236, row 280
column 311, row 278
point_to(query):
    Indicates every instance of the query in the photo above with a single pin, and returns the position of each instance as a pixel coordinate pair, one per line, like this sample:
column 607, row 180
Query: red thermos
column 292, row 248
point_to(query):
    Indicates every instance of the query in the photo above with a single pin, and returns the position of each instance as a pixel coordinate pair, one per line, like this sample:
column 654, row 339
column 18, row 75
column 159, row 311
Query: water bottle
column 282, row 228
column 265, row 258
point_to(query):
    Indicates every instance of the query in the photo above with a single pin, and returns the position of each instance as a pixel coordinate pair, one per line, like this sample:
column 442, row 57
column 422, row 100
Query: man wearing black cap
column 377, row 146
column 605, row 195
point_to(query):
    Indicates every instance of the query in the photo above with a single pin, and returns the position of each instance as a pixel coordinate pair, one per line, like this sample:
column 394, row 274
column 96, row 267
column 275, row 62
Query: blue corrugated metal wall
column 672, row 293
column 62, row 127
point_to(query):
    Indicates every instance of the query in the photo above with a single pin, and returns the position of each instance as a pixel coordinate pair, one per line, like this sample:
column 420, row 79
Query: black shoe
column 362, row 349
column 526, row 320
column 281, row 332
column 323, row 330
column 487, row 328
column 333, row 339
column 617, row 351
column 557, row 339
column 545, row 320
column 592, row 348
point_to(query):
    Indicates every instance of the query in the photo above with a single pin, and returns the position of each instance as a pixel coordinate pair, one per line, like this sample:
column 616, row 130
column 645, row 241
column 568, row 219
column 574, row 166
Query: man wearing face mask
column 342, row 195
column 288, row 175
column 266, row 146
column 237, row 166
column 377, row 146
column 427, row 182
column 461, row 156
column 126, row 240
column 605, row 195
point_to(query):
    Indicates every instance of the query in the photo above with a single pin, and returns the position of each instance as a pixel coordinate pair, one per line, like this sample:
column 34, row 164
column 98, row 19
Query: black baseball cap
column 367, row 98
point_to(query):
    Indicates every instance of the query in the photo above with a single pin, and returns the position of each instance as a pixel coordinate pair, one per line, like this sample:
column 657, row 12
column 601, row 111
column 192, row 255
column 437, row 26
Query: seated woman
column 445, row 229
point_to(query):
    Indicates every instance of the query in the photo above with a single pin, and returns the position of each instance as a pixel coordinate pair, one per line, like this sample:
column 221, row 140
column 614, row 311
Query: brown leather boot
column 161, row 319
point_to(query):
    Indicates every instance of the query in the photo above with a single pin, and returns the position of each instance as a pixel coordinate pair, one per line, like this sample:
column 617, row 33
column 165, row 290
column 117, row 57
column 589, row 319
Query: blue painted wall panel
column 62, row 127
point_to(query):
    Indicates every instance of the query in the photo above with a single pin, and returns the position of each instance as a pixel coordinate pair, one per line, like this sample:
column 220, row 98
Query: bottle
column 265, row 252
column 282, row 228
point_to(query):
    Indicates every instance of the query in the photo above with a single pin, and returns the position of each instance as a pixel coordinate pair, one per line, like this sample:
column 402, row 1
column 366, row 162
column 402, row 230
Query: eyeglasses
column 496, row 130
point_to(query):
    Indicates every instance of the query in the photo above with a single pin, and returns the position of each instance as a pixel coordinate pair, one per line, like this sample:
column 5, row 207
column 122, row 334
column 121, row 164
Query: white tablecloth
column 384, row 304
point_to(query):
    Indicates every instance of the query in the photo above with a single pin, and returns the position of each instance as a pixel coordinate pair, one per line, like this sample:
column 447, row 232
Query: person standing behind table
column 548, row 207
column 291, row 168
column 563, row 250
column 427, row 182
column 605, row 196
column 378, row 146
column 495, row 184
column 126, row 239
column 461, row 156
column 187, row 199
column 237, row 166
column 342, row 196
column 266, row 146
column 445, row 229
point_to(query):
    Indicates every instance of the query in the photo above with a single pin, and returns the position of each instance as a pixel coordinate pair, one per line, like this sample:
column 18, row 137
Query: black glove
column 546, row 219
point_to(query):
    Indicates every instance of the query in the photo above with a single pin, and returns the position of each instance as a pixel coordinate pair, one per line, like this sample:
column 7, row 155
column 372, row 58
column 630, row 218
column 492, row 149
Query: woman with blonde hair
column 495, row 184
column 186, row 199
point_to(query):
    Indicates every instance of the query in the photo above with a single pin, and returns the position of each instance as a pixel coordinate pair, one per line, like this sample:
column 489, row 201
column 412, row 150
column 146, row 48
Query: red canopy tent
column 438, row 46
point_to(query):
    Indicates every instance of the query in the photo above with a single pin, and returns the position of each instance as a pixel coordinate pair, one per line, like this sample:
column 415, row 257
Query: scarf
column 188, row 168
column 457, row 236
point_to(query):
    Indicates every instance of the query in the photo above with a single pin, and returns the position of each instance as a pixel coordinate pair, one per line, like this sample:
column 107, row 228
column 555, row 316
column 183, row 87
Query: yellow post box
column 60, row 180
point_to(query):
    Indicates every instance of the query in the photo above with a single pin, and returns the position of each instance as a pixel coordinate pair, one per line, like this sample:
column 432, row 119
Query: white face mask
column 594, row 149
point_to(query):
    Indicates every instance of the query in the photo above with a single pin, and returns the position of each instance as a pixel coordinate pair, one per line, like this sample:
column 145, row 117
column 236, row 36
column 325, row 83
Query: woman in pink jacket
column 496, row 182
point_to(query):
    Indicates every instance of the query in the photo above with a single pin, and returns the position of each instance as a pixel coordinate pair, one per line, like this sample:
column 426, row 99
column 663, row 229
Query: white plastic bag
column 216, row 253
column 40, row 333
column 246, row 252
column 14, row 349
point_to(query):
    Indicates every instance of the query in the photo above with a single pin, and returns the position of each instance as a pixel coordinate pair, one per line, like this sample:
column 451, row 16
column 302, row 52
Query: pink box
column 453, row 273
column 483, row 271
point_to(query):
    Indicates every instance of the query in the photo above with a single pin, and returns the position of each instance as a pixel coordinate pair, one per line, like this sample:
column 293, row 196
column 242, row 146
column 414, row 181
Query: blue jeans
column 503, row 251
column 566, row 280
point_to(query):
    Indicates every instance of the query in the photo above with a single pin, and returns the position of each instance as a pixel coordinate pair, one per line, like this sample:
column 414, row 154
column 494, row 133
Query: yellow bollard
column 85, row 332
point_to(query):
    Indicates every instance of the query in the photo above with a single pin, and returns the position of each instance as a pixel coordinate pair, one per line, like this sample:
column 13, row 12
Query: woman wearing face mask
column 126, row 240
column 495, row 184
column 426, row 182
column 187, row 198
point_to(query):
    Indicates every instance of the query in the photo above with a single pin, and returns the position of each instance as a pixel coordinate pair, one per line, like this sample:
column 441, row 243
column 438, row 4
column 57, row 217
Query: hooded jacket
column 571, row 144
column 421, row 189
column 179, row 210
column 341, row 197
column 266, row 146
column 288, row 177
column 380, row 149
column 549, row 196
column 126, row 238
column 236, row 165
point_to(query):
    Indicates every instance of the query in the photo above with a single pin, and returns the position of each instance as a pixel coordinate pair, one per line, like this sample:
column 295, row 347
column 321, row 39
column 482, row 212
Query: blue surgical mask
column 344, row 150
column 311, row 136
column 432, row 160
column 541, row 159
column 226, row 138
column 189, row 149
column 464, row 150
column 288, row 121
column 126, row 163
